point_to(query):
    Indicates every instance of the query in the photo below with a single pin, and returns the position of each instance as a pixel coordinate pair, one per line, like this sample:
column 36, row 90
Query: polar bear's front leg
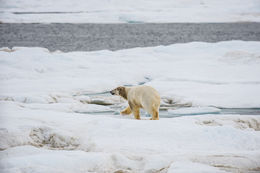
column 126, row 111
column 136, row 113
column 135, row 110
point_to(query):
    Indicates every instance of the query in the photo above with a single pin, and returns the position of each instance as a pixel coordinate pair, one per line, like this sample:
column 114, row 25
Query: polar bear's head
column 120, row 91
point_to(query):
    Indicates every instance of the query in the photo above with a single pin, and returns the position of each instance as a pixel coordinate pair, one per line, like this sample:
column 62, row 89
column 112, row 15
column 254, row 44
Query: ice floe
column 128, row 11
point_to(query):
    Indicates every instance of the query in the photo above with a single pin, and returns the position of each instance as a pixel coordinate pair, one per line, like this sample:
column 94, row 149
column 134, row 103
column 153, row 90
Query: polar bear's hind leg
column 155, row 114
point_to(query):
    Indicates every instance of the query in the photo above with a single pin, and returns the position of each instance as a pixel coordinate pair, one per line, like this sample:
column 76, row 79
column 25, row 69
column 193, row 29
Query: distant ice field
column 129, row 11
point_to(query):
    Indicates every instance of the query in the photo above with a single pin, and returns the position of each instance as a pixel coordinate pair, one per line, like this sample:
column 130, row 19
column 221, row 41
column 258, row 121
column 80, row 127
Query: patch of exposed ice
column 241, row 122
column 194, row 111
column 46, row 137
column 90, row 108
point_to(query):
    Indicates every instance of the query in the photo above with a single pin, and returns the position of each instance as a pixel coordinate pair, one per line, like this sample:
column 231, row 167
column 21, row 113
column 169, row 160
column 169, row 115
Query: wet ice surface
column 116, row 104
column 168, row 108
column 56, row 109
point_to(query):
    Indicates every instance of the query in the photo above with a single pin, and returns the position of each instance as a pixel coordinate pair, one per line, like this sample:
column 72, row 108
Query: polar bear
column 141, row 96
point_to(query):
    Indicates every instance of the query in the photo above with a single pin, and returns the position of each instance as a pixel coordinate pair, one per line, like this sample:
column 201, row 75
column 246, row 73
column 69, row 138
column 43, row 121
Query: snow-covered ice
column 51, row 141
column 224, row 74
column 128, row 11
column 49, row 103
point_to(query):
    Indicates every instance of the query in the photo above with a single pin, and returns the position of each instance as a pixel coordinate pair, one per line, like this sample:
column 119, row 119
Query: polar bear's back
column 145, row 96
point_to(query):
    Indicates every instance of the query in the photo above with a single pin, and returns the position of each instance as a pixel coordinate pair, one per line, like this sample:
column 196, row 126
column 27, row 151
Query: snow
column 128, row 11
column 191, row 167
column 42, row 140
column 57, row 115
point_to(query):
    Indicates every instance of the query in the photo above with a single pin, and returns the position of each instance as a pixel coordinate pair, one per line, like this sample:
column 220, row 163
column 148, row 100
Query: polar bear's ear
column 122, row 92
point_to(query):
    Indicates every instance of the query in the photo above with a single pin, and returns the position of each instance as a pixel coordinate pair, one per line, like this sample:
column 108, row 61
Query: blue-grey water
column 89, row 37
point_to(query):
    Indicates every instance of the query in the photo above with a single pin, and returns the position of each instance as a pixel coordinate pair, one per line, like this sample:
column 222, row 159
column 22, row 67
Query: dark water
column 237, row 111
column 241, row 111
column 89, row 37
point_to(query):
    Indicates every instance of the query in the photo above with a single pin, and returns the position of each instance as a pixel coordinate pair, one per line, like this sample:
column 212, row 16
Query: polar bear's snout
column 112, row 92
column 120, row 91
